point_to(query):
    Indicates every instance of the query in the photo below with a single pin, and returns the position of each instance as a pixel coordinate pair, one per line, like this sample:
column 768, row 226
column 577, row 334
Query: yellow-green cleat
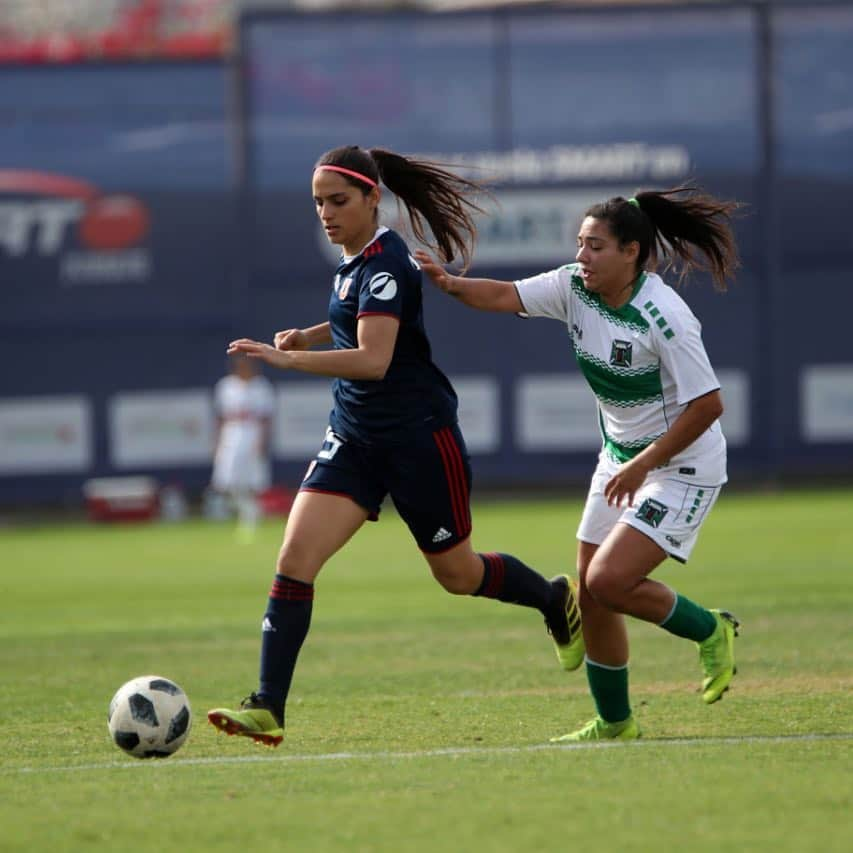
column 717, row 656
column 599, row 729
column 255, row 719
column 565, row 625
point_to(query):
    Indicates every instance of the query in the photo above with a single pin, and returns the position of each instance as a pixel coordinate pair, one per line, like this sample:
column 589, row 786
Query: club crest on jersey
column 342, row 286
column 620, row 353
column 383, row 286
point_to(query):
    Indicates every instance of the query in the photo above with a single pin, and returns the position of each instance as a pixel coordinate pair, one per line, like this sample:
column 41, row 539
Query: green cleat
column 255, row 719
column 717, row 655
column 599, row 729
column 565, row 626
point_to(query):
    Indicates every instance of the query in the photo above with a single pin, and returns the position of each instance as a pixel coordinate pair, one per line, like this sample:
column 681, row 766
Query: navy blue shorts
column 428, row 479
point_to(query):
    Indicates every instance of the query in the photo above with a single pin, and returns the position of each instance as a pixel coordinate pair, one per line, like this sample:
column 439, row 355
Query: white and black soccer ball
column 149, row 717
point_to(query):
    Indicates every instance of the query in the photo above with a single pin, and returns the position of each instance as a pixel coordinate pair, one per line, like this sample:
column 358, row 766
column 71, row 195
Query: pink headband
column 349, row 172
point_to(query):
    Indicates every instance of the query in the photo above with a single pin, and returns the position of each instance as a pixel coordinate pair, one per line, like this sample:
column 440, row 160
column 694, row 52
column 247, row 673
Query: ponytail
column 685, row 226
column 432, row 195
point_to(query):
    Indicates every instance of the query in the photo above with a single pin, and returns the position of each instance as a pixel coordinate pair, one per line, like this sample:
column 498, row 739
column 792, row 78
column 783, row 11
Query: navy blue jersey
column 384, row 279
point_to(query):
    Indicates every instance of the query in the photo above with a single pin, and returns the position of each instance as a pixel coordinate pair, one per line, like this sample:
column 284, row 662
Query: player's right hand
column 256, row 349
column 291, row 339
column 441, row 278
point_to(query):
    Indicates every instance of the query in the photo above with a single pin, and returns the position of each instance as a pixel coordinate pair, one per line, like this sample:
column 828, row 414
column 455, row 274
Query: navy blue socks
column 507, row 579
column 286, row 623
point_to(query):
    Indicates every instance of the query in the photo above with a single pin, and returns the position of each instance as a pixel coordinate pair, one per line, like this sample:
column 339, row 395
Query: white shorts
column 669, row 508
column 235, row 470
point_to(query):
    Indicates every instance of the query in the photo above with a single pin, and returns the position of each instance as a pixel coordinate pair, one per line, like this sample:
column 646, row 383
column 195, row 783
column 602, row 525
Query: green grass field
column 419, row 721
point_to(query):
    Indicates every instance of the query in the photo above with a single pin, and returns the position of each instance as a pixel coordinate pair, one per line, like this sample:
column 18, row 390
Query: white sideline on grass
column 426, row 753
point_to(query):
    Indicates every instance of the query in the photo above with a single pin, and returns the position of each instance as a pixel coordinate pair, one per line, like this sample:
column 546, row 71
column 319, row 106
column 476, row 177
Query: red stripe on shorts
column 454, row 470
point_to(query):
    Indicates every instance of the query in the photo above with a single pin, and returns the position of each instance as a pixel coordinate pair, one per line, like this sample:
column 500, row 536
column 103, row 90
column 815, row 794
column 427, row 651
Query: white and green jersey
column 644, row 361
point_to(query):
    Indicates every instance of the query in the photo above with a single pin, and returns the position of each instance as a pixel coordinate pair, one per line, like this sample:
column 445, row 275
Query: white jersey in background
column 644, row 362
column 244, row 407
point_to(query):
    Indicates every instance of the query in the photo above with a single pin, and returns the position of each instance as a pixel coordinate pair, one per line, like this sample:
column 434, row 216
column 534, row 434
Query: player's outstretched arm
column 377, row 336
column 301, row 339
column 257, row 349
column 487, row 294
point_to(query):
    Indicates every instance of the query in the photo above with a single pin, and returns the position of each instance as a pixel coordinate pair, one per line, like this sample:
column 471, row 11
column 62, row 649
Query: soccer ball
column 149, row 717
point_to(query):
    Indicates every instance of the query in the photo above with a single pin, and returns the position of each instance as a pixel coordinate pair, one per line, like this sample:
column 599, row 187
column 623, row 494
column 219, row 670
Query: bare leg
column 604, row 632
column 616, row 576
column 459, row 570
column 318, row 526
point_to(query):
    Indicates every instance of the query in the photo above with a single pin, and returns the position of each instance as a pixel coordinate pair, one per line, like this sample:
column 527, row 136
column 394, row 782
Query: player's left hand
column 625, row 483
column 290, row 339
column 256, row 349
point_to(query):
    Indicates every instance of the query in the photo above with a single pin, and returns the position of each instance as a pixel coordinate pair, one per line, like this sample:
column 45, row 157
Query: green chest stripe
column 621, row 387
column 624, row 452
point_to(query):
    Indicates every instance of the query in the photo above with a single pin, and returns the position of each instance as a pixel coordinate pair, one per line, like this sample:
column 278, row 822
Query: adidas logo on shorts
column 441, row 534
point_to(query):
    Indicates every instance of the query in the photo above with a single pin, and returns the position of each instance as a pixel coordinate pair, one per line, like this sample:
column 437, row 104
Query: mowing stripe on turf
column 428, row 753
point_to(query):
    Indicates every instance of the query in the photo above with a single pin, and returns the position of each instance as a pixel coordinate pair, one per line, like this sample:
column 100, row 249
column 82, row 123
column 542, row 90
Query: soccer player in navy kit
column 393, row 429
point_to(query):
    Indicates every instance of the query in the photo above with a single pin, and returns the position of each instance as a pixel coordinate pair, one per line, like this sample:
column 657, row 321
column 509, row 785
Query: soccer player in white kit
column 663, row 456
column 244, row 402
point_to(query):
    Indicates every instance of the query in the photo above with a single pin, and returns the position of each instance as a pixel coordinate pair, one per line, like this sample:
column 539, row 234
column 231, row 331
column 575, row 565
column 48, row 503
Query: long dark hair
column 431, row 194
column 684, row 226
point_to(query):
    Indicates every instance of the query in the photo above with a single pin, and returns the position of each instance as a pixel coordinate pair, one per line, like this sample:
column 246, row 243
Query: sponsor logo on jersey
column 383, row 286
column 577, row 331
column 652, row 512
column 441, row 534
column 620, row 353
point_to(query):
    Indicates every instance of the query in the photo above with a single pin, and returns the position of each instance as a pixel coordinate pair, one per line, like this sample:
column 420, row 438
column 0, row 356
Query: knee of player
column 455, row 580
column 605, row 587
column 454, row 584
column 294, row 562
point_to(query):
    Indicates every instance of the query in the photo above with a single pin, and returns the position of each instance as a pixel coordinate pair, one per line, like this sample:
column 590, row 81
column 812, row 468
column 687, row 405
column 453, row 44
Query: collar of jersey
column 623, row 309
column 635, row 289
column 346, row 259
column 641, row 280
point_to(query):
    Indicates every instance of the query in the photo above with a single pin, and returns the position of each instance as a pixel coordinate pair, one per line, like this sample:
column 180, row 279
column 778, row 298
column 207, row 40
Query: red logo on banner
column 103, row 222
column 113, row 222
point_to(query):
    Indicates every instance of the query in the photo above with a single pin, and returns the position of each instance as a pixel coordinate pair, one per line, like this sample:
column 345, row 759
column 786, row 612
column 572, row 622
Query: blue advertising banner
column 406, row 82
column 146, row 125
column 150, row 212
column 658, row 95
column 556, row 110
column 116, row 195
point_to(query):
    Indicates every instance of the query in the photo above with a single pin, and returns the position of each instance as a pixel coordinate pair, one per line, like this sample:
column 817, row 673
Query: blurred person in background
column 393, row 429
column 663, row 459
column 244, row 402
